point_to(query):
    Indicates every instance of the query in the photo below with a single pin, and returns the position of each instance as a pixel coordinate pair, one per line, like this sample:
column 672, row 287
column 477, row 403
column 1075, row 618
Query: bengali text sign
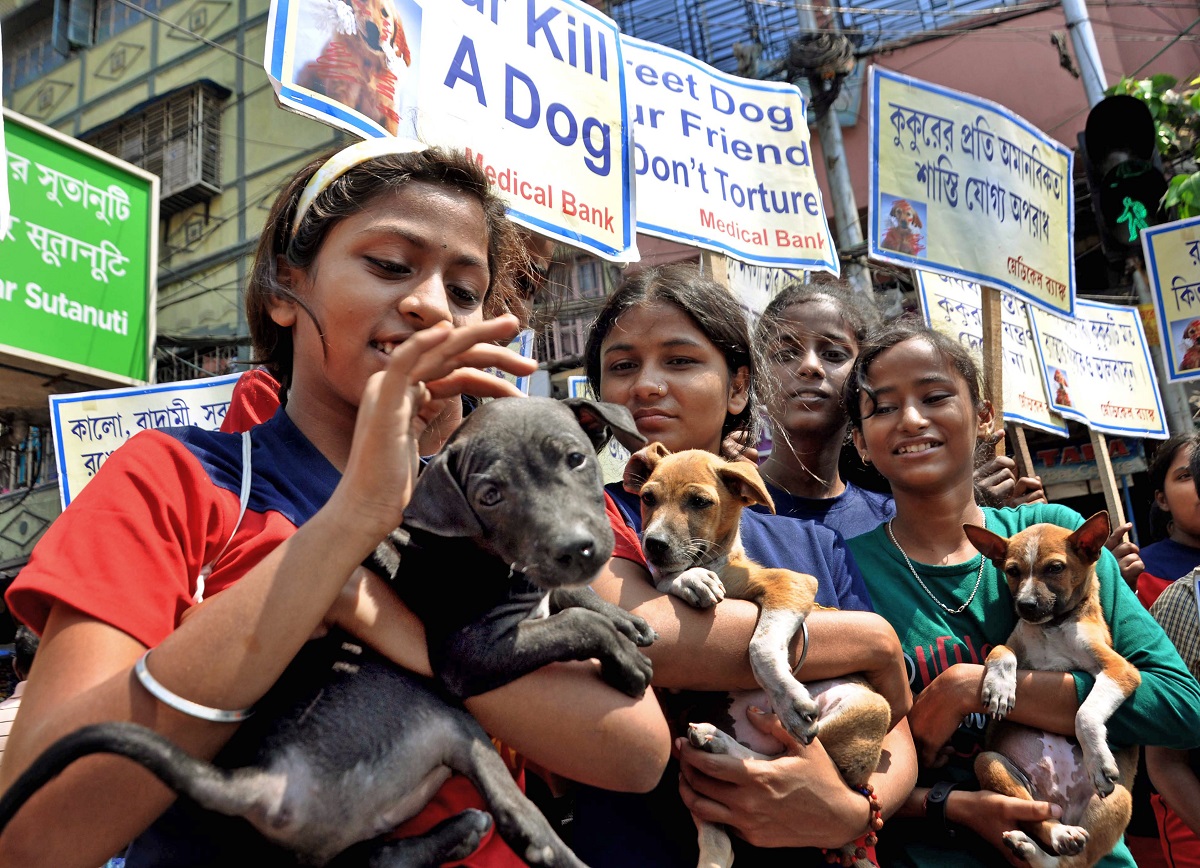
column 1098, row 369
column 89, row 426
column 1173, row 267
column 724, row 163
column 533, row 90
column 77, row 270
column 963, row 187
column 953, row 307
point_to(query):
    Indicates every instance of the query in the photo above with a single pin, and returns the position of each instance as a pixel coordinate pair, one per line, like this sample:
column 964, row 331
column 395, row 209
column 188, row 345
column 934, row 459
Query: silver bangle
column 803, row 649
column 184, row 706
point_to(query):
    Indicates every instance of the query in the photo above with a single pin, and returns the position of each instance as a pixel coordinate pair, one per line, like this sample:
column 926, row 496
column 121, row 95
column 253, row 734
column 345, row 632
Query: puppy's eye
column 1013, row 572
column 648, row 499
column 490, row 496
column 698, row 502
column 1055, row 567
column 576, row 459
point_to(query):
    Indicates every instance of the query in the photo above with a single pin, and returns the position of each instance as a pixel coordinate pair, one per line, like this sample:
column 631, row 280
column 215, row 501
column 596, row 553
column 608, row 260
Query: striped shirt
column 1177, row 612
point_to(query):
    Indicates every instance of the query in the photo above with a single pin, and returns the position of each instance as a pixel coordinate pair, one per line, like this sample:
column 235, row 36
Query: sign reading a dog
column 1173, row 267
column 533, row 91
column 965, row 188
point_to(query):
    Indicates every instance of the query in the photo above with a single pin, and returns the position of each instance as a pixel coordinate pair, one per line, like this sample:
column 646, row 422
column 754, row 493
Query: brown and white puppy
column 692, row 503
column 1052, row 574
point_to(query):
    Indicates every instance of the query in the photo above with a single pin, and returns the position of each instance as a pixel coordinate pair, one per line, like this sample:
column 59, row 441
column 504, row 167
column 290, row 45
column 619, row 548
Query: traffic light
column 1124, row 172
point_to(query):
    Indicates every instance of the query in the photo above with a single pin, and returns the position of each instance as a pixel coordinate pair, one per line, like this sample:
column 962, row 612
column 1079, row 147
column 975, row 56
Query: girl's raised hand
column 432, row 366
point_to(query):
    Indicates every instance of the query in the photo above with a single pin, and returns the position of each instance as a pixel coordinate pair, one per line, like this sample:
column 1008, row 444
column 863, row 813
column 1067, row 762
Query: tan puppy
column 692, row 503
column 1052, row 574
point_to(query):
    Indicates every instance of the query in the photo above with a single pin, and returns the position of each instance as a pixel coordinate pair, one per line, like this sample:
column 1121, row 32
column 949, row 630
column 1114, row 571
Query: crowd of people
column 384, row 282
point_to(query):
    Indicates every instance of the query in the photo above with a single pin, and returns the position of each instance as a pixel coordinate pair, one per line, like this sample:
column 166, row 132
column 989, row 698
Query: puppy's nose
column 578, row 552
column 1028, row 609
column 656, row 547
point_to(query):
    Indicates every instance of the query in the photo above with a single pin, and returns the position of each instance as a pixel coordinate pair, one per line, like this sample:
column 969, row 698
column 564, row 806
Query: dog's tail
column 211, row 787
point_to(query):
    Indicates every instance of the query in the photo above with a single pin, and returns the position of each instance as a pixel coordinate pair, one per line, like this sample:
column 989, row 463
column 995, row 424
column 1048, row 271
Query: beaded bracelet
column 185, row 706
column 844, row 856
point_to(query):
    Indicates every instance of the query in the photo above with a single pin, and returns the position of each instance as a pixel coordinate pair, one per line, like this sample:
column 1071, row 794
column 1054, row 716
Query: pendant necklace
column 925, row 588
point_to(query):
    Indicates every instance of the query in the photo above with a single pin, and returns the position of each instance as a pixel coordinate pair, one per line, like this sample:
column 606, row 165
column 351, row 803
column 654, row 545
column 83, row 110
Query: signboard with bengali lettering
column 1173, row 269
column 79, row 259
column 89, row 426
column 963, row 187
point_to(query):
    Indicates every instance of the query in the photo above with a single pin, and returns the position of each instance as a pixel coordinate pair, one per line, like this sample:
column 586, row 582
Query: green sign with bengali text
column 77, row 265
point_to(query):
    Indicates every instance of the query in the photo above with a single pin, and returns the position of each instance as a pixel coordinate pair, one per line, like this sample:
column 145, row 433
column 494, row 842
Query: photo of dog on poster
column 905, row 222
column 363, row 55
column 1187, row 339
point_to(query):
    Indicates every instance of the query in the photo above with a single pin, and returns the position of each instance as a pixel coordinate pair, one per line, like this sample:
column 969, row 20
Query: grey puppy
column 506, row 525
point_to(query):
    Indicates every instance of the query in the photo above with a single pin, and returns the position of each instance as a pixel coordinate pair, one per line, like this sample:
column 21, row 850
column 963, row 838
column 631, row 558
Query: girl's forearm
column 893, row 781
column 1172, row 776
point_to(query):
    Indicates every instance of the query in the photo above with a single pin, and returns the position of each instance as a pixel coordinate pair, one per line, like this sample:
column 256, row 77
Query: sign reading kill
column 1097, row 368
column 953, row 307
column 1173, row 267
column 533, row 91
column 723, row 162
column 965, row 188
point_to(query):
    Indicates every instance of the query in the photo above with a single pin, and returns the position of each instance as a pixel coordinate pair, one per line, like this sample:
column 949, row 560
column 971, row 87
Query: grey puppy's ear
column 601, row 420
column 439, row 504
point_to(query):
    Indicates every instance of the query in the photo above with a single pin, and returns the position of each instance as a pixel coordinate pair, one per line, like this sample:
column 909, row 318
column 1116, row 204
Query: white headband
column 347, row 159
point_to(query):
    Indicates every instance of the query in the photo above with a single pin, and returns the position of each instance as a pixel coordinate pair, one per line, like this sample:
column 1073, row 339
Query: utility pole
column 1175, row 404
column 829, row 130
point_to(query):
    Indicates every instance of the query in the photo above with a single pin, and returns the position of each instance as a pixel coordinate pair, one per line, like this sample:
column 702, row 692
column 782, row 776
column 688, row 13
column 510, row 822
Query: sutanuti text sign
column 963, row 187
column 1098, row 369
column 1173, row 265
column 724, row 162
column 77, row 269
column 533, row 90
column 953, row 307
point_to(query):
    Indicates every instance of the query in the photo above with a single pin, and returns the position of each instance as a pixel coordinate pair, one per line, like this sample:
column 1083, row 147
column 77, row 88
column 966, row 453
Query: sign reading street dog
column 953, row 307
column 1173, row 267
column 534, row 91
column 1097, row 368
column 723, row 162
column 963, row 187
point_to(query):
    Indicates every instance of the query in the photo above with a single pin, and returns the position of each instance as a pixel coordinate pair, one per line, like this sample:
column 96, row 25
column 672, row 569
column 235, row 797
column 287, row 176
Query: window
column 178, row 138
column 562, row 339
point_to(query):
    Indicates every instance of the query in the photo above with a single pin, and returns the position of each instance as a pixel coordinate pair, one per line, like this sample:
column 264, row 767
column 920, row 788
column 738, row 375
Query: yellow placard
column 1098, row 368
column 953, row 307
column 965, row 188
column 1173, row 267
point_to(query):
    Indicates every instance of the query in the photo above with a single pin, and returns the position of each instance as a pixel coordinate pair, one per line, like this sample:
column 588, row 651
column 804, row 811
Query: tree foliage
column 1176, row 115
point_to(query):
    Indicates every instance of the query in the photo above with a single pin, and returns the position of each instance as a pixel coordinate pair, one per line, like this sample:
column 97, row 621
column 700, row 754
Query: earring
column 866, row 459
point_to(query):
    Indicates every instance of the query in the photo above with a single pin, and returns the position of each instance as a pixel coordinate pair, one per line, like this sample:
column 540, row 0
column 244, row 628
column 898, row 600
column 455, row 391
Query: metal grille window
column 30, row 54
column 193, row 363
column 563, row 339
column 178, row 138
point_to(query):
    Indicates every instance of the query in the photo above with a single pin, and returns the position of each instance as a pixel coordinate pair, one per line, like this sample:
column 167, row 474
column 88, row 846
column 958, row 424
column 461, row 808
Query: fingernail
column 754, row 709
column 1055, row 811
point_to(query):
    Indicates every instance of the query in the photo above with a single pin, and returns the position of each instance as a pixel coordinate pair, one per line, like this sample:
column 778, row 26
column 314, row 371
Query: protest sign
column 533, row 91
column 89, row 426
column 1097, row 369
column 756, row 285
column 954, row 307
column 724, row 163
column 963, row 187
column 1173, row 269
column 79, row 260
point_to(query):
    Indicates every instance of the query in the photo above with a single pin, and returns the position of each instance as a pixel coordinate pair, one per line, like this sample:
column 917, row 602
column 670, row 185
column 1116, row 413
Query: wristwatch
column 935, row 806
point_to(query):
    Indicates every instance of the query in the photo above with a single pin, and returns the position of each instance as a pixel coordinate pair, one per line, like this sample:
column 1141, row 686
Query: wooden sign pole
column 1108, row 480
column 1021, row 453
column 993, row 353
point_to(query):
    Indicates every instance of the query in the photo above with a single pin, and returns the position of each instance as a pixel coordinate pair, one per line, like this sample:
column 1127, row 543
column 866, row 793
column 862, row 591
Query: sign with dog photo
column 953, row 307
column 1173, row 268
column 534, row 92
column 724, row 163
column 1098, row 370
column 963, row 187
